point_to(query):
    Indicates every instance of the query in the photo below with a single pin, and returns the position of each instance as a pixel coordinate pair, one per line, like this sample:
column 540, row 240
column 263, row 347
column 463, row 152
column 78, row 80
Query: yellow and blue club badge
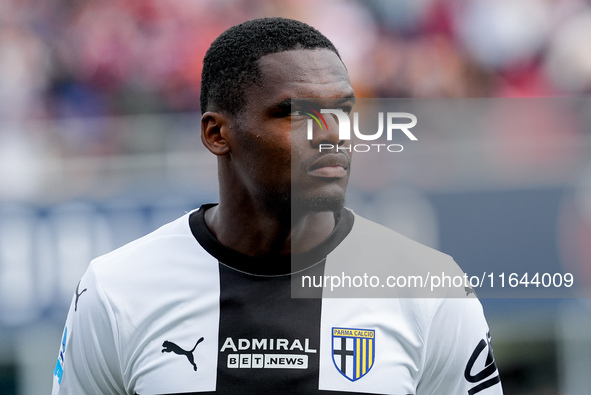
column 353, row 351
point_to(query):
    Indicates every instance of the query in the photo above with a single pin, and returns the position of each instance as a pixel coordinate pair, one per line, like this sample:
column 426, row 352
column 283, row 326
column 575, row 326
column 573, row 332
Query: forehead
column 302, row 73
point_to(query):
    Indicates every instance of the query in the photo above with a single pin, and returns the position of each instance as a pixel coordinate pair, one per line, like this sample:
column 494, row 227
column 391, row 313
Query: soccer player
column 204, row 304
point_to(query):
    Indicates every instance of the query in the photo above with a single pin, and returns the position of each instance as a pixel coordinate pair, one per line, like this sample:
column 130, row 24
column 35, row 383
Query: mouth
column 330, row 166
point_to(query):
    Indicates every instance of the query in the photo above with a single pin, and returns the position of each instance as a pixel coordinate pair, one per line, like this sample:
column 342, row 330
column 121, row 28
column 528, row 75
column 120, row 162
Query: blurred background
column 99, row 144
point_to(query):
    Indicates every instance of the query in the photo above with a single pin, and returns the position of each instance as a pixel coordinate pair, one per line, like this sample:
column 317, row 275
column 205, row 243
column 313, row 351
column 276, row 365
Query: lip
column 329, row 166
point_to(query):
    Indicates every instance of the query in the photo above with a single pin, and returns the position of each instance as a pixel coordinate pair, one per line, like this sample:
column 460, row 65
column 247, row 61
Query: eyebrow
column 288, row 102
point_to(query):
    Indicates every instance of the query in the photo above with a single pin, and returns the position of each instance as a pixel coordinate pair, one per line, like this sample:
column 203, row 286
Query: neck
column 255, row 230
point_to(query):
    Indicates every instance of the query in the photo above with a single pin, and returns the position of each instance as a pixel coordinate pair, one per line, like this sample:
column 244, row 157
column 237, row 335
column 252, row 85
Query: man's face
column 273, row 157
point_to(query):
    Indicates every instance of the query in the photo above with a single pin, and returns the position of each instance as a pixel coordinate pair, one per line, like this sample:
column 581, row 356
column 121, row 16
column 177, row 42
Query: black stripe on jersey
column 256, row 304
column 254, row 307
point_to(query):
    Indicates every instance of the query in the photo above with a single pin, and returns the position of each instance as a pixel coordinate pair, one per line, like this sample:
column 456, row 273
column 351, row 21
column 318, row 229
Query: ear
column 214, row 132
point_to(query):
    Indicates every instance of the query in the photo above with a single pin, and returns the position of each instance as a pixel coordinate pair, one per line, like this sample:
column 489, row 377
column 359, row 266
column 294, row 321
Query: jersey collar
column 268, row 265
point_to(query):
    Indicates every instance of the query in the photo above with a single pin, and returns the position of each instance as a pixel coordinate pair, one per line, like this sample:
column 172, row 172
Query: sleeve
column 88, row 360
column 458, row 357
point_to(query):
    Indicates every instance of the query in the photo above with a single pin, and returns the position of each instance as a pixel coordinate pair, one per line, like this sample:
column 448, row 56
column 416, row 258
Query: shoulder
column 162, row 269
column 168, row 259
column 456, row 356
column 383, row 239
column 147, row 253
column 175, row 229
column 400, row 266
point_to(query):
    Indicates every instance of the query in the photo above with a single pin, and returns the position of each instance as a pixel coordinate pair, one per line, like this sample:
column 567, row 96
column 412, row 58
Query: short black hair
column 230, row 63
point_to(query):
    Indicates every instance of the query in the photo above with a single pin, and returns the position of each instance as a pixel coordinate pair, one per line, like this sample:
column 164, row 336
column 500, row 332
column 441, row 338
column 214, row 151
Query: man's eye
column 295, row 113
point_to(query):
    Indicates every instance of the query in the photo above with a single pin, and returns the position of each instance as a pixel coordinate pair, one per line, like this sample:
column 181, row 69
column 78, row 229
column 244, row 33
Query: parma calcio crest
column 353, row 351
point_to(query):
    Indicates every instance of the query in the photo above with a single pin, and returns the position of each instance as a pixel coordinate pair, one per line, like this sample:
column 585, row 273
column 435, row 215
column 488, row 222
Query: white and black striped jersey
column 176, row 312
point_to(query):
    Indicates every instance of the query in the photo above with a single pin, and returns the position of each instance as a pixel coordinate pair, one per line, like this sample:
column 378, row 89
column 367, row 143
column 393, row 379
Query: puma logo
column 78, row 295
column 171, row 347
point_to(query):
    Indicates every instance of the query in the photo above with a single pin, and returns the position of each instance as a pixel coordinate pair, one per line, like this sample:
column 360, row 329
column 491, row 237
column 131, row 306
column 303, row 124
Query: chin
column 316, row 204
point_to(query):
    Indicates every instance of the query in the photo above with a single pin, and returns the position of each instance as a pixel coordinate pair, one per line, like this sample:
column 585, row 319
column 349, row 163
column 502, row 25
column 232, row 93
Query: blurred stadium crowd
column 64, row 60
column 67, row 58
